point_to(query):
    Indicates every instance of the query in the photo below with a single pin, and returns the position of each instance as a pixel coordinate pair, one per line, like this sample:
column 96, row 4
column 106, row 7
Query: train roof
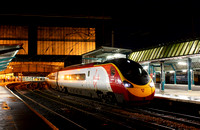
column 115, row 61
column 78, row 66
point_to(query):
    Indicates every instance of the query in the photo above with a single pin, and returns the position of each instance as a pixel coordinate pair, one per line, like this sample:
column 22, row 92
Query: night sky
column 137, row 24
column 147, row 24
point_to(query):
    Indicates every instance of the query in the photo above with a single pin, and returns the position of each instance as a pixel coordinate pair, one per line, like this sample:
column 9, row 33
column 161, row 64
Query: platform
column 15, row 115
column 179, row 92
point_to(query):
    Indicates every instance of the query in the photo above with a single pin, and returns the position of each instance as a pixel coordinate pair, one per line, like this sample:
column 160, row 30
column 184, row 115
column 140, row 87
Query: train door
column 88, row 79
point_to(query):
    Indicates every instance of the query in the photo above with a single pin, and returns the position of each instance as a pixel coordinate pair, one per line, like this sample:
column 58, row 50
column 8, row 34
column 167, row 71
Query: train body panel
column 52, row 79
column 142, row 90
column 116, row 81
column 123, row 80
column 92, row 78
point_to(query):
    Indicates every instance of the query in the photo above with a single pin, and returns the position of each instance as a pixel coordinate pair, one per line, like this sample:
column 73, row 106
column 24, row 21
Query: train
column 117, row 80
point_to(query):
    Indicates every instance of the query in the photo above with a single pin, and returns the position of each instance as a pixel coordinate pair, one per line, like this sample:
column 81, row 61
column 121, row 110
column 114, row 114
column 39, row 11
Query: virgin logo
column 142, row 90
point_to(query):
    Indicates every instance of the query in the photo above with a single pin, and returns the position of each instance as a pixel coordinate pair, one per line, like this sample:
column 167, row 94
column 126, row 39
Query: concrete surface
column 15, row 115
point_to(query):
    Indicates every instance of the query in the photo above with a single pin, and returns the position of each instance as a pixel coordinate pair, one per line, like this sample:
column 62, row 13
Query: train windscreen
column 131, row 70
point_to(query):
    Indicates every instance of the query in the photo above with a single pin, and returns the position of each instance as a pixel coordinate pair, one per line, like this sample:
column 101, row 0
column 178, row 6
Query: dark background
column 136, row 24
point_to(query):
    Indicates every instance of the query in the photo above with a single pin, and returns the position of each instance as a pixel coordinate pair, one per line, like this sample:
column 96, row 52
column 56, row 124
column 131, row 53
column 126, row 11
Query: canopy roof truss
column 7, row 53
column 166, row 52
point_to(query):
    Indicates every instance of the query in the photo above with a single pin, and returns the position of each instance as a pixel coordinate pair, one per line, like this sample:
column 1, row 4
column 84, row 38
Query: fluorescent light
column 184, row 70
column 145, row 67
column 117, row 55
column 171, row 71
column 109, row 57
column 182, row 63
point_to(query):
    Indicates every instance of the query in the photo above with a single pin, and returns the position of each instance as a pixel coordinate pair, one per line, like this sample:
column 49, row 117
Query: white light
column 152, row 84
column 117, row 55
column 184, row 70
column 171, row 71
column 182, row 63
column 109, row 57
column 145, row 67
column 62, row 77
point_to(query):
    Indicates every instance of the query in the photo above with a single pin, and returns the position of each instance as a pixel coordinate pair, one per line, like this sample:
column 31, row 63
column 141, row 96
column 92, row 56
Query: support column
column 175, row 77
column 174, row 73
column 149, row 68
column 162, row 76
column 32, row 40
column 193, row 77
column 189, row 73
column 154, row 74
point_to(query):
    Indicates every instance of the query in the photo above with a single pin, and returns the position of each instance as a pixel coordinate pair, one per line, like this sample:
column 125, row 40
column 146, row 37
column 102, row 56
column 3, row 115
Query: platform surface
column 179, row 92
column 15, row 115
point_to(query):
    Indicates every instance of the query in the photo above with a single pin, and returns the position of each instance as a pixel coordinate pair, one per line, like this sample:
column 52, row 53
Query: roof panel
column 137, row 56
column 188, row 47
column 159, row 52
column 193, row 48
column 175, row 49
column 147, row 55
column 131, row 56
column 155, row 53
column 196, row 51
column 171, row 50
column 183, row 49
column 142, row 53
column 7, row 53
column 163, row 52
column 179, row 49
column 167, row 51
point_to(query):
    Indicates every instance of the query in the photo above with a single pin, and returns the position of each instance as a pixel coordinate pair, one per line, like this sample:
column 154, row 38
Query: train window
column 112, row 71
column 88, row 73
column 74, row 77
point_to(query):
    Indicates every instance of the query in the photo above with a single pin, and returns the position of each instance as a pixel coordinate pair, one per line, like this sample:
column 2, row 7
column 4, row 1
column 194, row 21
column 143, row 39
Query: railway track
column 85, row 113
column 173, row 116
column 161, row 114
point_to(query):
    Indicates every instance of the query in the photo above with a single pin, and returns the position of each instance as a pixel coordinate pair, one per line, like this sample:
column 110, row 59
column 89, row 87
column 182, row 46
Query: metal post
column 154, row 74
column 189, row 73
column 175, row 77
column 192, row 77
column 174, row 73
column 162, row 76
column 127, row 56
column 149, row 69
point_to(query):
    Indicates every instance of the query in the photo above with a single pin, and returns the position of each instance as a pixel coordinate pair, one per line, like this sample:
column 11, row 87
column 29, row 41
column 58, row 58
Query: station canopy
column 105, row 53
column 7, row 53
column 174, row 55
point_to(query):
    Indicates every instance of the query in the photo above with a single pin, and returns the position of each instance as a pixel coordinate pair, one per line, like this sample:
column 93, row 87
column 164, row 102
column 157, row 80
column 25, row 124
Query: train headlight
column 151, row 84
column 127, row 84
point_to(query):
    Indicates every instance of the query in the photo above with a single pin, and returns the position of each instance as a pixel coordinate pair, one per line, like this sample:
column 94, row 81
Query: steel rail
column 51, row 110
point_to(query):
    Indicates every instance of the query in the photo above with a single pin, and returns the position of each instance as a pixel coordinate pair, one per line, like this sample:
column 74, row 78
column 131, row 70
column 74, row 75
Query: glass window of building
column 65, row 40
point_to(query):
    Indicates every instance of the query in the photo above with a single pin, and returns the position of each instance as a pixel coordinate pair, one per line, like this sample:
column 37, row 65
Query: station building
column 50, row 42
